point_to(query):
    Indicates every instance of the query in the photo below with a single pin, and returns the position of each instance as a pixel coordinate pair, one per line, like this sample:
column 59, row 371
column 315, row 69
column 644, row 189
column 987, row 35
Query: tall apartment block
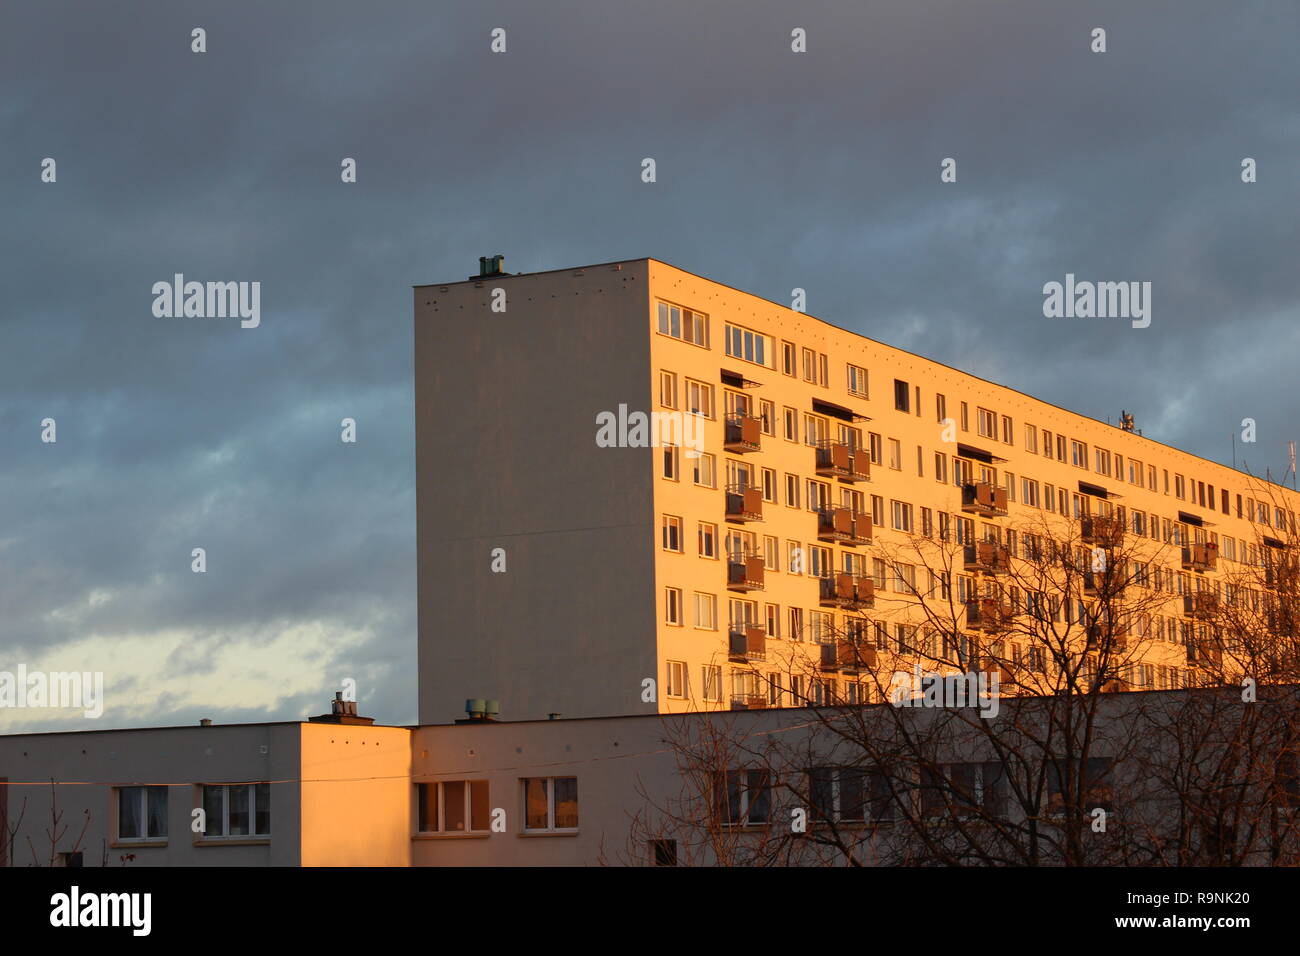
column 763, row 542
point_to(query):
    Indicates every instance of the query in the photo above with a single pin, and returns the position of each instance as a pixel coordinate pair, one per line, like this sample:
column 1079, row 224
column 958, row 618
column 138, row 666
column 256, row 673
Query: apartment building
column 871, row 784
column 764, row 546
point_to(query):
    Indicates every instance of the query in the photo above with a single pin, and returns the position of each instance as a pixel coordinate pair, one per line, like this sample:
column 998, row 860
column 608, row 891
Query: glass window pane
column 157, row 811
column 566, row 802
column 427, row 800
column 238, row 796
column 128, row 813
column 479, row 811
column 535, row 803
column 453, row 806
column 263, row 791
column 212, row 810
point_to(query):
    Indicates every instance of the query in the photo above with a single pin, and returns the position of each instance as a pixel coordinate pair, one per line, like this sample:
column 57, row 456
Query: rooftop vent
column 480, row 711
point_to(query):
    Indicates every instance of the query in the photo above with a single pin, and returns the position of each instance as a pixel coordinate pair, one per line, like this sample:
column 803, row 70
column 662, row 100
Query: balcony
column 847, row 656
column 852, row 592
column 987, row 614
column 988, row 557
column 748, row 702
column 834, row 524
column 746, row 642
column 743, row 433
column 1203, row 605
column 1104, row 531
column 993, row 667
column 745, row 571
column 1200, row 557
column 1204, row 652
column 837, row 459
column 744, row 503
column 1116, row 685
column 1109, row 583
column 983, row 498
column 1099, row 633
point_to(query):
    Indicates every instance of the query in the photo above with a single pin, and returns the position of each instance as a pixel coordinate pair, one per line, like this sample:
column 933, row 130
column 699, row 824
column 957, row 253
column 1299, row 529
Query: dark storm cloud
column 775, row 171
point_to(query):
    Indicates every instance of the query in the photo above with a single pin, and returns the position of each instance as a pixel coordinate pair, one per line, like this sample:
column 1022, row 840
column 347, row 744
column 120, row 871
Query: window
column 1060, row 451
column 699, row 398
column 454, row 806
column 794, row 557
column 706, row 611
column 902, row 396
column 902, row 514
column 550, row 803
column 237, row 809
column 796, row 624
column 768, row 477
column 874, row 448
column 823, row 370
column 895, row 454
column 1029, row 492
column 771, row 554
column 684, row 324
column 767, row 415
column 712, row 674
column 668, row 389
column 663, row 852
column 816, row 429
column 673, row 606
column 1031, row 439
column 705, row 471
column 809, row 365
column 672, row 533
column 849, row 794
column 940, row 408
column 672, row 462
column 741, row 797
column 986, row 423
column 746, row 344
column 940, row 467
column 1078, row 454
column 792, row 491
column 141, row 814
column 787, row 359
column 1102, row 461
column 965, row 417
column 676, row 684
column 858, row 381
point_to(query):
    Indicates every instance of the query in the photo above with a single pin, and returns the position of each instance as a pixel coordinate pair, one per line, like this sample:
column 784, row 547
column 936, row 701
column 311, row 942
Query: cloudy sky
column 775, row 170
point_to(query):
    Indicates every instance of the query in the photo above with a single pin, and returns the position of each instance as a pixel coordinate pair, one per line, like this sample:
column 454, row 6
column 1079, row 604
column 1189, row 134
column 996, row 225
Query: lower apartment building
column 1154, row 778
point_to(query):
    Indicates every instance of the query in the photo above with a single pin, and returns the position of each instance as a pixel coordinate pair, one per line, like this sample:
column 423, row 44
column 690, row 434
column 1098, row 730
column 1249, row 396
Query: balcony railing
column 983, row 498
column 1204, row 652
column 1203, row 605
column 1104, row 531
column 834, row 523
column 748, row 702
column 1100, row 633
column 744, row 503
column 746, row 641
column 745, row 571
column 1110, row 582
column 1200, row 557
column 988, row 557
column 836, row 459
column 988, row 614
column 847, row 656
column 849, row 591
column 743, row 433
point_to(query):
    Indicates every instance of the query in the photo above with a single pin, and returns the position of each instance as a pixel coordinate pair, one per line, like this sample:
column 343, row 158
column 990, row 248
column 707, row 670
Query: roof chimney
column 490, row 266
column 205, row 721
column 341, row 712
